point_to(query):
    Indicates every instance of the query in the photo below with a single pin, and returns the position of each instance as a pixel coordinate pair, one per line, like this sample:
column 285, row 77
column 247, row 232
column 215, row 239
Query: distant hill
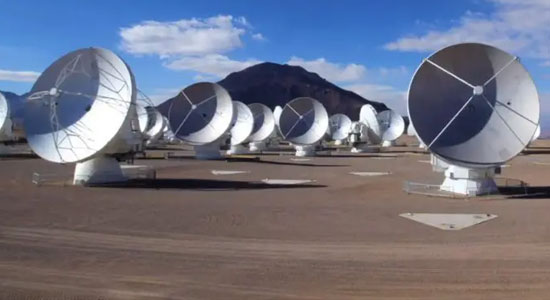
column 16, row 103
column 10, row 95
column 274, row 84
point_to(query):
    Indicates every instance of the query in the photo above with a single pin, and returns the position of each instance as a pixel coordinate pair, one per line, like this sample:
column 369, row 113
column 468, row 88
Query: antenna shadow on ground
column 532, row 151
column 203, row 184
column 282, row 163
column 529, row 192
column 11, row 156
column 357, row 155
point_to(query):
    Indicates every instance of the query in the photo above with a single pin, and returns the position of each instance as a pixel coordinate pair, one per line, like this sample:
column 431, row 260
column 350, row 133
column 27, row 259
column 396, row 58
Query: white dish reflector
column 5, row 123
column 277, row 114
column 473, row 105
column 264, row 123
column 242, row 123
column 392, row 125
column 304, row 121
column 339, row 126
column 201, row 113
column 156, row 124
column 79, row 105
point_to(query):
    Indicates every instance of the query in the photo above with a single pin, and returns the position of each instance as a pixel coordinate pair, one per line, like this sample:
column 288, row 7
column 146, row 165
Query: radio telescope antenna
column 392, row 126
column 339, row 128
column 6, row 133
column 264, row 125
column 151, row 122
column 241, row 128
column 168, row 135
column 475, row 107
column 367, row 116
column 201, row 115
column 156, row 125
column 303, row 122
column 143, row 101
column 359, row 138
column 81, row 110
column 277, row 114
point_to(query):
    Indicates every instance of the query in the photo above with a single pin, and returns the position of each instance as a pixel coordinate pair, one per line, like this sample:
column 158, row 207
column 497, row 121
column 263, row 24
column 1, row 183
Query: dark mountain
column 16, row 103
column 274, row 84
column 10, row 95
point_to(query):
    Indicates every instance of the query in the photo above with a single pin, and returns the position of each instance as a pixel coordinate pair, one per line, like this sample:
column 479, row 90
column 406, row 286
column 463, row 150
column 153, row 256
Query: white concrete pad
column 300, row 159
column 449, row 221
column 370, row 174
column 287, row 181
column 228, row 172
column 425, row 161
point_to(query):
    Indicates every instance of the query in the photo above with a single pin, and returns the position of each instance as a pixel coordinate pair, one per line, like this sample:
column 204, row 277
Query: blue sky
column 371, row 47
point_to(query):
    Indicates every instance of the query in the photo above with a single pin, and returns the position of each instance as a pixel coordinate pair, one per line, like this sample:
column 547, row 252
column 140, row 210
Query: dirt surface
column 195, row 235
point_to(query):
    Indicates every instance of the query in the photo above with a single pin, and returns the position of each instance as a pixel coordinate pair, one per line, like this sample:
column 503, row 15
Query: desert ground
column 194, row 235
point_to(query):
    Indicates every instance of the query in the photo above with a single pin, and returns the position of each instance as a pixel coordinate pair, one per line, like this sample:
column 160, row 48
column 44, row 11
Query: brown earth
column 193, row 235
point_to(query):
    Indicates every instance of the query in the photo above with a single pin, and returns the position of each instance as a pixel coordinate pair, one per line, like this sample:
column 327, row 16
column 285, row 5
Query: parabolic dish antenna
column 142, row 102
column 367, row 115
column 473, row 105
column 167, row 133
column 80, row 105
column 242, row 123
column 392, row 125
column 264, row 123
column 156, row 124
column 277, row 114
column 201, row 113
column 150, row 120
column 264, row 126
column 359, row 138
column 5, row 122
column 339, row 126
column 304, row 121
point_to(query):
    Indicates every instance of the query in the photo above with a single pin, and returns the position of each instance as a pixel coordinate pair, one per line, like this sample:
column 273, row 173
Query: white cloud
column 370, row 83
column 392, row 97
column 331, row 71
column 18, row 76
column 211, row 64
column 243, row 21
column 198, row 45
column 518, row 26
column 384, row 72
column 347, row 73
column 184, row 37
column 201, row 77
column 258, row 37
